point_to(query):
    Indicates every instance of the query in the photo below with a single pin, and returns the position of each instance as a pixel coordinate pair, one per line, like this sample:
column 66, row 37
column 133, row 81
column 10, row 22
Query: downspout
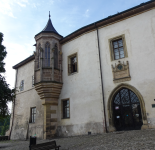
column 13, row 106
column 101, row 77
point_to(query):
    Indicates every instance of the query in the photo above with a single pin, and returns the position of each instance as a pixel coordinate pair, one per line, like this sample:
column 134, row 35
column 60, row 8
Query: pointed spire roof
column 49, row 27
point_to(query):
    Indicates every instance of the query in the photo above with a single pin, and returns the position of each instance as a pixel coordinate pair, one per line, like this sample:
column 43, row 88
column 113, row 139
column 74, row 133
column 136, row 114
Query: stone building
column 100, row 78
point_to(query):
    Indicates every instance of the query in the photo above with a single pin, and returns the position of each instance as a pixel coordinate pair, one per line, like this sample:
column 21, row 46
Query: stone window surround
column 62, row 108
column 69, row 61
column 111, row 127
column 111, row 46
column 30, row 121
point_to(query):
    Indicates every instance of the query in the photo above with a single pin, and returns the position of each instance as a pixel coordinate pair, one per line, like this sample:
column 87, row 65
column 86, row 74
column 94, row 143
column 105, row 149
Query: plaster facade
column 22, row 128
column 83, row 88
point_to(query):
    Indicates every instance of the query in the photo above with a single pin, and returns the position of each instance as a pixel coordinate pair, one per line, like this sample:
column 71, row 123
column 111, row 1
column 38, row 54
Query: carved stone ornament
column 121, row 72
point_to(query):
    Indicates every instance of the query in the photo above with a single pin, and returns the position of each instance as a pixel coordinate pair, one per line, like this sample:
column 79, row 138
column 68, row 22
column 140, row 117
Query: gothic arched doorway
column 127, row 111
column 130, row 108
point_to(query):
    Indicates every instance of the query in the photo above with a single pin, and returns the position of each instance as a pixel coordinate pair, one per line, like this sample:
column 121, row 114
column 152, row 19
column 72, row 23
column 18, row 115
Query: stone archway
column 111, row 127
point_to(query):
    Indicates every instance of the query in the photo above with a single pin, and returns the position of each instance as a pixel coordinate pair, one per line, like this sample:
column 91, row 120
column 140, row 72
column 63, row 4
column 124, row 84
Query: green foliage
column 2, row 54
column 6, row 94
column 4, row 125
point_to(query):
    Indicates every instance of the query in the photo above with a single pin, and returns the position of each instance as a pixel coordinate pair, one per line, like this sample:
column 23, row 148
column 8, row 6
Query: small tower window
column 55, row 56
column 38, row 64
column 47, row 55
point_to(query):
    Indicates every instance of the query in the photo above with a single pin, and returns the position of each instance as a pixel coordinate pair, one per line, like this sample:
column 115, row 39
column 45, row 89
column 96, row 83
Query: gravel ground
column 128, row 140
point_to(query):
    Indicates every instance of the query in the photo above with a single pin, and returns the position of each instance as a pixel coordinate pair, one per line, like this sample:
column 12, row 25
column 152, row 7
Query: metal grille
column 127, row 111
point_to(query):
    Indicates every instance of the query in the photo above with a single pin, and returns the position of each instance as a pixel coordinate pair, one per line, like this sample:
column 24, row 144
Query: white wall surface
column 23, row 102
column 140, row 41
column 84, row 87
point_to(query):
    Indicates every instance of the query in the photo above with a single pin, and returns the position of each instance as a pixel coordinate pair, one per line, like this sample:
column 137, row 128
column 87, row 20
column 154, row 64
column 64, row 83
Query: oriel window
column 118, row 49
column 33, row 115
column 55, row 56
column 66, row 111
column 47, row 55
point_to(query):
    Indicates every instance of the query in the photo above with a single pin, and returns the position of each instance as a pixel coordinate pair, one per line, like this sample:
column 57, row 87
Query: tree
column 6, row 94
column 4, row 125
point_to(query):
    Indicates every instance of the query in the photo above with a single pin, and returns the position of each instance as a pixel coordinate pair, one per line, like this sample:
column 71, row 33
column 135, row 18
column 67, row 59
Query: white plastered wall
column 83, row 88
column 140, row 41
column 23, row 102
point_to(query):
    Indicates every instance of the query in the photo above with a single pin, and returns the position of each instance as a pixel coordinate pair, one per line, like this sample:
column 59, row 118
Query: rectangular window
column 66, row 109
column 32, row 80
column 118, row 48
column 22, row 85
column 72, row 64
column 33, row 115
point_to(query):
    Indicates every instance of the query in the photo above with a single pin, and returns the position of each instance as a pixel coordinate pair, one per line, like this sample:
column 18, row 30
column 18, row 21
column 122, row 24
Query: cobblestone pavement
column 128, row 140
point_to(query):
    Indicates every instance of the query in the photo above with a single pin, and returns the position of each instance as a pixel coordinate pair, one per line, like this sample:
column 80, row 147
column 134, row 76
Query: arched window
column 55, row 56
column 38, row 61
column 47, row 55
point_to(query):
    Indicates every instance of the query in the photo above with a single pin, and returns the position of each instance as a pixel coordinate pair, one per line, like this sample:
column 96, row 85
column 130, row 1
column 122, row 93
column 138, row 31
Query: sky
column 21, row 20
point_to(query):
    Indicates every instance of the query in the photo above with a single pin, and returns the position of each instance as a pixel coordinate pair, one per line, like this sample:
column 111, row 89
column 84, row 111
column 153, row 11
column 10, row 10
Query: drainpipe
column 13, row 105
column 101, row 77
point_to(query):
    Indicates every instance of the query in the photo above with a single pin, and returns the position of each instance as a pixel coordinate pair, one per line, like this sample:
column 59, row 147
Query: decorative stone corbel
column 121, row 72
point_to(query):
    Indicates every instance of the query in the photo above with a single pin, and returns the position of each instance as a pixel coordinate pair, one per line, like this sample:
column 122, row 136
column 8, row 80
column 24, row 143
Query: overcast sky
column 21, row 20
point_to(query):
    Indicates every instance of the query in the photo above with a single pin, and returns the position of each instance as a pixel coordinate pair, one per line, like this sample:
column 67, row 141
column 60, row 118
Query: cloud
column 6, row 6
column 86, row 14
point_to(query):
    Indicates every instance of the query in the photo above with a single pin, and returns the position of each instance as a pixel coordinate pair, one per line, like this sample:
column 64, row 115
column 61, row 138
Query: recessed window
column 33, row 114
column 118, row 48
column 32, row 81
column 66, row 108
column 72, row 64
column 46, row 62
column 21, row 85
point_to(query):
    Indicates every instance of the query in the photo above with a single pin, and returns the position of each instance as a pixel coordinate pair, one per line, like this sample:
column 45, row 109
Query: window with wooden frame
column 33, row 81
column 72, row 64
column 65, row 109
column 33, row 114
column 118, row 48
column 21, row 85
column 38, row 61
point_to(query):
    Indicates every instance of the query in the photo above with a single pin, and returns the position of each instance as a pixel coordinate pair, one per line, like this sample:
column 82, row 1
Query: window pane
column 122, row 56
column 121, row 52
column 115, row 50
column 116, row 53
column 115, row 44
column 120, row 43
column 116, row 56
column 67, row 114
column 34, row 117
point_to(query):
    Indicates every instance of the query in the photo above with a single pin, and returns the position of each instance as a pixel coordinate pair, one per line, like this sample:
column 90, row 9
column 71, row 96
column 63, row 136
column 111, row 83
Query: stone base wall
column 80, row 129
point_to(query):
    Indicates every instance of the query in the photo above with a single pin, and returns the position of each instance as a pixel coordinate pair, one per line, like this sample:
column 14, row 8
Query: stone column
column 50, row 120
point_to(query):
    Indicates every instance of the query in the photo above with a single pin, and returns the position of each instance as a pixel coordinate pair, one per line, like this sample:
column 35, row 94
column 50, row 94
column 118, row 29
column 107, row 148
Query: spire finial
column 49, row 14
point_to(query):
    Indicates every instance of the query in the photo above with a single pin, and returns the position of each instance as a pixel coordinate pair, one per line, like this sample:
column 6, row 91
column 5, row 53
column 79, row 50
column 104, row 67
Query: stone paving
column 128, row 140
